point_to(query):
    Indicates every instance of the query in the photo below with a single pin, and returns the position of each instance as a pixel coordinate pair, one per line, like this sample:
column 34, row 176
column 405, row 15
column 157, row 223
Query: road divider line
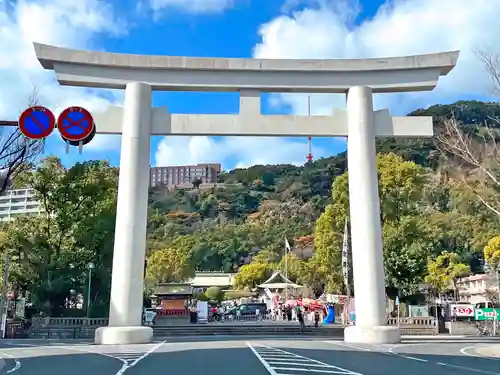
column 468, row 368
column 357, row 348
column 391, row 350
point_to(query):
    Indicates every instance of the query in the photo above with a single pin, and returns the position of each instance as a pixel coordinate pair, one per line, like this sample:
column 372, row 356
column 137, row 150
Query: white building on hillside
column 477, row 288
column 18, row 202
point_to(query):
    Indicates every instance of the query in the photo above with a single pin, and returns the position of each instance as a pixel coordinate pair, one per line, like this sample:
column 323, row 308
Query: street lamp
column 90, row 266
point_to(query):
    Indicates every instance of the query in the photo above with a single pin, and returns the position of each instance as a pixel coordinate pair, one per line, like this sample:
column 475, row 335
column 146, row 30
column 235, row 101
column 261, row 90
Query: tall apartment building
column 18, row 202
column 182, row 175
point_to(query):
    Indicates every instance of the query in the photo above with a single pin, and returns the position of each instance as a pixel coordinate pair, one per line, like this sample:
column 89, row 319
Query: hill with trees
column 439, row 210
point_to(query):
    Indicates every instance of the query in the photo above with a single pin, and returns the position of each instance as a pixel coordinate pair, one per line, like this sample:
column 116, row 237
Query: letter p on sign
column 478, row 314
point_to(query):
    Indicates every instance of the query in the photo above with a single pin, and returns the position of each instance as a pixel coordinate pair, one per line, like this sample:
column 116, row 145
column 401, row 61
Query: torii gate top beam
column 176, row 73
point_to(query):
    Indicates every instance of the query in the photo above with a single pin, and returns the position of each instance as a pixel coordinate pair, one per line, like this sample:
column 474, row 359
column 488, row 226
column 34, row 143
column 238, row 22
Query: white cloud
column 192, row 6
column 57, row 22
column 239, row 152
column 325, row 29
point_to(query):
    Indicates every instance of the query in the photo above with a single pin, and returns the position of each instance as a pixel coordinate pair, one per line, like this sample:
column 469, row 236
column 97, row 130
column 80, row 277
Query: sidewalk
column 489, row 351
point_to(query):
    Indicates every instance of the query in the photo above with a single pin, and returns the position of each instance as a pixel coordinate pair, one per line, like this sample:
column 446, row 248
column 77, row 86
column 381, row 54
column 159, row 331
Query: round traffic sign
column 75, row 124
column 36, row 122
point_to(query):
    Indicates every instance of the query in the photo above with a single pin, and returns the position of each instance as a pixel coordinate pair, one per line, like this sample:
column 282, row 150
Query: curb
column 492, row 351
column 432, row 337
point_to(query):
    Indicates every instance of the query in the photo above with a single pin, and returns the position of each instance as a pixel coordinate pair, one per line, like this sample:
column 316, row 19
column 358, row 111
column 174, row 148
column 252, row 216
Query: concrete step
column 209, row 330
column 198, row 330
column 212, row 330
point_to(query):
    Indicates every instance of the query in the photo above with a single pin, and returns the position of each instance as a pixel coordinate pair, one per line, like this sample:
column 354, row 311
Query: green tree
column 52, row 250
column 291, row 265
column 266, row 257
column 406, row 248
column 251, row 275
column 492, row 253
column 401, row 184
column 327, row 257
column 214, row 294
column 445, row 271
column 169, row 266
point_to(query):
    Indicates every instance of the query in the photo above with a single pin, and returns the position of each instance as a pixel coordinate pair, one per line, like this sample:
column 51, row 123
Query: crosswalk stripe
column 280, row 362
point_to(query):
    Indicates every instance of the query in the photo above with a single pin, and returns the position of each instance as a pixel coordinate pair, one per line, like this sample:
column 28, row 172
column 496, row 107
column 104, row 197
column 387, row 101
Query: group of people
column 300, row 313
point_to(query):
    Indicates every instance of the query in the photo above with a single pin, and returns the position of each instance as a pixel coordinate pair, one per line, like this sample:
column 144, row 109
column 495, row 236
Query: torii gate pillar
column 127, row 281
column 366, row 234
column 138, row 121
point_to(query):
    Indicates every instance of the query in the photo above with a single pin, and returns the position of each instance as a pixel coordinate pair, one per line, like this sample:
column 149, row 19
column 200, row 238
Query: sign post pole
column 3, row 302
column 397, row 307
column 495, row 322
column 437, row 316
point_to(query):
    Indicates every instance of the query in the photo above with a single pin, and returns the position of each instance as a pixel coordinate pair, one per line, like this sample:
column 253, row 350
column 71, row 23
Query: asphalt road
column 250, row 356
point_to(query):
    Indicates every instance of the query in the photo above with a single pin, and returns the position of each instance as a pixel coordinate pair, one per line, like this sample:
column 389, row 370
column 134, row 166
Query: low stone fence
column 48, row 327
column 415, row 326
column 422, row 322
column 68, row 322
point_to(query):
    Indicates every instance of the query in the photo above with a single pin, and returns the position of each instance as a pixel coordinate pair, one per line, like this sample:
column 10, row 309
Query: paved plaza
column 252, row 355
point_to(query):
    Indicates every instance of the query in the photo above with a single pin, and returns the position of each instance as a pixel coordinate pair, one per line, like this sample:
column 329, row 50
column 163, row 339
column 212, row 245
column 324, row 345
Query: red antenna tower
column 309, row 139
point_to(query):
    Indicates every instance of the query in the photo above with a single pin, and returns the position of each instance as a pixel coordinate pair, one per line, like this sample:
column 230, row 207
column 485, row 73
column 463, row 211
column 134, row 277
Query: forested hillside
column 436, row 219
column 248, row 215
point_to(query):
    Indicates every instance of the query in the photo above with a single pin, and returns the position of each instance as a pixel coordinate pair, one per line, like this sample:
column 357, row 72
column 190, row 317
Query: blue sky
column 241, row 28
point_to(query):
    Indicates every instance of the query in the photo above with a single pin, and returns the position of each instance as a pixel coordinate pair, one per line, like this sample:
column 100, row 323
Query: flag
column 287, row 246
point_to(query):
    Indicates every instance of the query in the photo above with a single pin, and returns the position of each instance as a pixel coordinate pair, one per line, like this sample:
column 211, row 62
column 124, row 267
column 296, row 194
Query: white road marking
column 468, row 368
column 391, row 352
column 388, row 351
column 432, row 337
column 295, row 364
column 477, row 355
column 129, row 358
column 357, row 348
column 126, row 365
column 17, row 362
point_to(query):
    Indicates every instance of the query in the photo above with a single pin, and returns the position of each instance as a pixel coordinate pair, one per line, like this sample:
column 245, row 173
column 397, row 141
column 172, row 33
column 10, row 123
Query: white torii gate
column 139, row 75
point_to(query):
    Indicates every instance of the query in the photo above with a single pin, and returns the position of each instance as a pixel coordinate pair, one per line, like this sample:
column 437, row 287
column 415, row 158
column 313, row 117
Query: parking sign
column 486, row 314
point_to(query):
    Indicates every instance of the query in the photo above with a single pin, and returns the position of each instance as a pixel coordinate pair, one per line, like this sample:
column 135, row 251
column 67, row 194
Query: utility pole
column 3, row 301
column 90, row 267
column 498, row 285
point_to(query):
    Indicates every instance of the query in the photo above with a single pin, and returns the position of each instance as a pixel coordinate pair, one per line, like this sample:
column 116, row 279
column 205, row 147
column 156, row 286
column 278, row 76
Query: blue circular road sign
column 75, row 124
column 36, row 122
